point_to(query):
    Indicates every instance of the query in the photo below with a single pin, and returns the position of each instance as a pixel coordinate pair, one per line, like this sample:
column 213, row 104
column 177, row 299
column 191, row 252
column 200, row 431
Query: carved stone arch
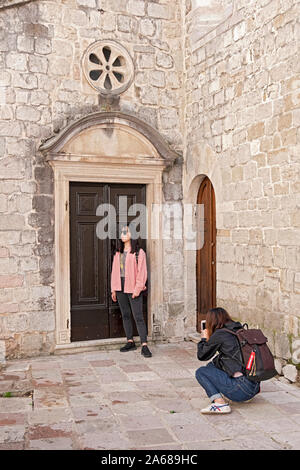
column 111, row 127
column 114, row 148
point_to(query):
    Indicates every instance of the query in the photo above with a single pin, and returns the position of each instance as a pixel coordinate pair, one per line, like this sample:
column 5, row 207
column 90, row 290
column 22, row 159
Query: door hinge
column 68, row 324
column 66, row 205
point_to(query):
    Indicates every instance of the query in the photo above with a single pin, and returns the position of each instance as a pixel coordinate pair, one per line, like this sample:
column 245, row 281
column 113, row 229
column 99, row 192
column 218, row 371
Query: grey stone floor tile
column 14, row 433
column 288, row 439
column 229, row 444
column 109, row 400
column 154, row 436
column 56, row 443
column 134, row 423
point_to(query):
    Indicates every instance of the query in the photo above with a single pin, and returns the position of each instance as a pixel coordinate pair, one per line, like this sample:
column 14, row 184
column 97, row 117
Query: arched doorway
column 206, row 256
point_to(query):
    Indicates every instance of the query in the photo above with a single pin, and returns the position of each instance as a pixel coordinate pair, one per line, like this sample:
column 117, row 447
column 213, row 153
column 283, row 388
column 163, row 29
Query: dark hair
column 135, row 245
column 216, row 318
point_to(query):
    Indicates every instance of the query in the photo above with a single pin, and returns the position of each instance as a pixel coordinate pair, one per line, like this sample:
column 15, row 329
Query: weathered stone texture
column 242, row 93
column 221, row 85
column 42, row 89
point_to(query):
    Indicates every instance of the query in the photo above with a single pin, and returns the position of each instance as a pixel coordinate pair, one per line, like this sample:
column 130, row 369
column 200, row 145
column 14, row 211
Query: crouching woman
column 224, row 375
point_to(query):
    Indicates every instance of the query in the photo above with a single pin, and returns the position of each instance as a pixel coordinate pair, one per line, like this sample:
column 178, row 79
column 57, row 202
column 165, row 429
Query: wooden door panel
column 88, row 262
column 93, row 313
column 89, row 306
column 206, row 256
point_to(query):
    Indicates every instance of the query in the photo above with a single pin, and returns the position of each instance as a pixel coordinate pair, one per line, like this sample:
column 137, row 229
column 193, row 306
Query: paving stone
column 91, row 411
column 234, row 425
column 172, row 405
column 258, row 441
column 46, row 383
column 49, row 416
column 280, row 397
column 13, row 404
column 88, row 387
column 191, row 393
column 125, row 397
column 119, row 386
column 257, row 411
column 57, row 443
column 97, row 425
column 12, row 433
column 49, row 398
column 80, row 374
column 6, row 386
column 150, row 436
column 103, row 441
column 174, row 373
column 130, row 409
column 102, row 363
column 185, row 382
column 184, row 418
column 290, row 408
column 288, row 439
column 133, row 423
column 145, row 375
column 9, row 419
column 186, row 433
column 12, row 445
column 129, row 368
column 86, row 399
column 112, row 401
column 42, row 431
column 281, row 425
column 163, row 447
column 227, row 444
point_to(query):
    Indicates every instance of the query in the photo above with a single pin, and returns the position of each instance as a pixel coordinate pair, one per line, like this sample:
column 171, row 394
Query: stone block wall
column 219, row 79
column 42, row 89
column 242, row 102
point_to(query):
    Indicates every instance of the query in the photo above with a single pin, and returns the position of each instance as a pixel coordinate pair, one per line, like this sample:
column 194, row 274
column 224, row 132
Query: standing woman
column 128, row 278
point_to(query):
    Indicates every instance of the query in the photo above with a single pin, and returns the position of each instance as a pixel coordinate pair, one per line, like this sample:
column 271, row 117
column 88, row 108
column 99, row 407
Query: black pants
column 128, row 304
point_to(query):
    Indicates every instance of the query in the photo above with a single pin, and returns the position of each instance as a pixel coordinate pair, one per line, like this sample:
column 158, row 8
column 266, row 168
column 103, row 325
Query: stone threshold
column 94, row 345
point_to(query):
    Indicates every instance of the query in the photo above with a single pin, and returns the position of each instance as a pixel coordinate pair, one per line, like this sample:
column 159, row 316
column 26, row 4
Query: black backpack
column 258, row 361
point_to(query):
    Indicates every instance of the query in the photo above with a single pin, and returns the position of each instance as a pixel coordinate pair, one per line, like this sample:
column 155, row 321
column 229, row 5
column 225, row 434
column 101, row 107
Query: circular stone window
column 108, row 67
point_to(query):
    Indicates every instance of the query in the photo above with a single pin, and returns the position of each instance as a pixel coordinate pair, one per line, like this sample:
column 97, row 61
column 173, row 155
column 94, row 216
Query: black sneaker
column 145, row 351
column 128, row 346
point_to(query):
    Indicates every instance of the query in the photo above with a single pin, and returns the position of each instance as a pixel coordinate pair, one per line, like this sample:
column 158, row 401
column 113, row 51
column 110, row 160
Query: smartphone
column 203, row 325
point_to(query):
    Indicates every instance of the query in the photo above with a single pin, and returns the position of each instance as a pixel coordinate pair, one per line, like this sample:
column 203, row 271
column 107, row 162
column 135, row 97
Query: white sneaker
column 215, row 408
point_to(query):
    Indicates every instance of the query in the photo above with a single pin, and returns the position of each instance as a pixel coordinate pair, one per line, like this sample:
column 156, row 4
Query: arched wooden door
column 206, row 256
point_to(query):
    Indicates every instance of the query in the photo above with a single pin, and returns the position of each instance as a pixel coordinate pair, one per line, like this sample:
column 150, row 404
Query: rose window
column 108, row 67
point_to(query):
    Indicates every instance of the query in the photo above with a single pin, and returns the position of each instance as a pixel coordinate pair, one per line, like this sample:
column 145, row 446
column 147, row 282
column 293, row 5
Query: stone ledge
column 94, row 345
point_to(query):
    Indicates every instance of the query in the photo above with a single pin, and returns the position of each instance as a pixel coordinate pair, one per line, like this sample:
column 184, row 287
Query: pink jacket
column 135, row 273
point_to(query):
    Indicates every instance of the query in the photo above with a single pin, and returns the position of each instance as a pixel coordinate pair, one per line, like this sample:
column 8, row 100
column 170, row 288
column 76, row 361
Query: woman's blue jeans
column 216, row 383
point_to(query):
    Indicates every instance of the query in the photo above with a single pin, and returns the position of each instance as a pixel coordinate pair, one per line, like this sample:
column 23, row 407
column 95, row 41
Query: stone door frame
column 145, row 169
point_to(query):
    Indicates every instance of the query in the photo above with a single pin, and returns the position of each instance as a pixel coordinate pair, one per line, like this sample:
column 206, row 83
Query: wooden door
column 135, row 194
column 93, row 313
column 206, row 256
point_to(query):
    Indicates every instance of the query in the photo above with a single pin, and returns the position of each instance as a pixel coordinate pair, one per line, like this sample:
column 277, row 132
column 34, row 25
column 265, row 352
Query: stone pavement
column 113, row 400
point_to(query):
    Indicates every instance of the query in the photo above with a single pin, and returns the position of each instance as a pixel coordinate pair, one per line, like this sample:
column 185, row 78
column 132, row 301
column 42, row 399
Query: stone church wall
column 219, row 79
column 42, row 90
column 242, row 118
